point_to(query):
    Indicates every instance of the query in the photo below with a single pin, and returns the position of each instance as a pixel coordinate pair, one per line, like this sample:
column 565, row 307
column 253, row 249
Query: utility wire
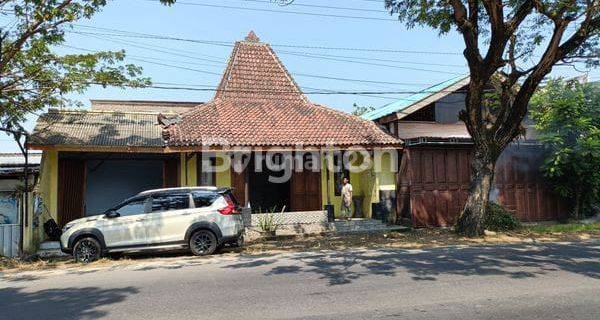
column 309, row 55
column 343, row 60
column 295, row 4
column 303, row 13
column 230, row 44
column 297, row 74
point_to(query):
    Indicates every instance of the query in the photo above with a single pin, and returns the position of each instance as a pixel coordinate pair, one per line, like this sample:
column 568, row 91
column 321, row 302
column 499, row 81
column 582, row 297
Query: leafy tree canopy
column 33, row 76
column 359, row 110
column 567, row 114
column 519, row 41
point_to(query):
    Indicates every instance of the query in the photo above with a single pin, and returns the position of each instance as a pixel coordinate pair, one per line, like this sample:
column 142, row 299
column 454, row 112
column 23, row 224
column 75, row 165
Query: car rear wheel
column 87, row 250
column 203, row 242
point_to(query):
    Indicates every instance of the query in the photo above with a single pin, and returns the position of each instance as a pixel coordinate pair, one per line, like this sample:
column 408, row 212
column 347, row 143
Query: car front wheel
column 203, row 242
column 87, row 250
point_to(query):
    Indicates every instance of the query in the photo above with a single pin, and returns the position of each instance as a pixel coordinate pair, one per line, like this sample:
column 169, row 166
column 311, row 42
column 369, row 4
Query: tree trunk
column 577, row 208
column 470, row 221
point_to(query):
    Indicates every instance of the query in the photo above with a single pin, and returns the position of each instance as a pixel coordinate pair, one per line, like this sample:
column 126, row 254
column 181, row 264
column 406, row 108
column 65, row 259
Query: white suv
column 199, row 218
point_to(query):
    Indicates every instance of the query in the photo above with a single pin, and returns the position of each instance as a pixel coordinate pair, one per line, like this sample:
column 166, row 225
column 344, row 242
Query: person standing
column 346, row 211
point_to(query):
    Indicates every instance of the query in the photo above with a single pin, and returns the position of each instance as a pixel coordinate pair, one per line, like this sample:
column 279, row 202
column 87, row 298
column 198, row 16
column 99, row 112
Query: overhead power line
column 328, row 77
column 269, row 91
column 225, row 43
column 296, row 4
column 292, row 12
column 343, row 60
column 339, row 58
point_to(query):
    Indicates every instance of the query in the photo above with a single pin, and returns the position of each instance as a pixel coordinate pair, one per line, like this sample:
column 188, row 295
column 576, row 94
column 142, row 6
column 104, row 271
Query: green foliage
column 33, row 76
column 534, row 21
column 566, row 228
column 360, row 110
column 567, row 114
column 499, row 219
column 518, row 40
column 266, row 222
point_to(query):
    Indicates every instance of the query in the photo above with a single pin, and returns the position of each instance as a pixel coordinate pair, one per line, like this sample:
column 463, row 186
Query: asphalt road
column 547, row 281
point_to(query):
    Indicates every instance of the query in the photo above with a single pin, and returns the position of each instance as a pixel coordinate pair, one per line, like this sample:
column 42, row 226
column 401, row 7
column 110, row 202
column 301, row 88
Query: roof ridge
column 145, row 101
column 74, row 111
column 227, row 72
column 287, row 73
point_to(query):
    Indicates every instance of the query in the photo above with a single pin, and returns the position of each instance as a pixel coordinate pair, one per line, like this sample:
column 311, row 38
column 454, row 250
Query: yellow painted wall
column 47, row 189
column 188, row 170
column 386, row 176
column 362, row 185
column 223, row 178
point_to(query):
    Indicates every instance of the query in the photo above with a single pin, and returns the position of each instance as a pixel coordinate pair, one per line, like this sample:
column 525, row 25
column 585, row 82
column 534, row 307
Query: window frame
column 129, row 201
column 154, row 196
column 200, row 173
column 193, row 202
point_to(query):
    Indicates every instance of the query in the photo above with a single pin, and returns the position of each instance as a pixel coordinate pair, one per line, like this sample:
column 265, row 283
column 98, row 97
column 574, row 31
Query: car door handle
column 141, row 219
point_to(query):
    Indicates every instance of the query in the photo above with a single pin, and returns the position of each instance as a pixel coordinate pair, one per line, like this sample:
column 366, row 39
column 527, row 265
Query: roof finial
column 251, row 37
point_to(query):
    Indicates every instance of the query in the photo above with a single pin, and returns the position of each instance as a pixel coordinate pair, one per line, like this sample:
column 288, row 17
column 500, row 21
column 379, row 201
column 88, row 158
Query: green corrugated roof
column 410, row 100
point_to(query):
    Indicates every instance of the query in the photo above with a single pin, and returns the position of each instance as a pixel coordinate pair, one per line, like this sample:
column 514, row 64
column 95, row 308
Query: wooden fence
column 434, row 182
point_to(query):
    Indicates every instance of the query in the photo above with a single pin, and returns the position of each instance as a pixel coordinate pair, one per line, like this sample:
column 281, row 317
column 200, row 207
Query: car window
column 204, row 199
column 166, row 202
column 134, row 207
column 232, row 197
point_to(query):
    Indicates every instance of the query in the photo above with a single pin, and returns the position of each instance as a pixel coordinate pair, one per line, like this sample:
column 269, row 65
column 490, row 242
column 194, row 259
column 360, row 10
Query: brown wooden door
column 239, row 184
column 305, row 191
column 71, row 189
column 171, row 177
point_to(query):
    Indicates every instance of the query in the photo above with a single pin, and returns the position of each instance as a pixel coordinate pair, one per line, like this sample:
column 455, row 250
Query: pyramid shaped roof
column 258, row 103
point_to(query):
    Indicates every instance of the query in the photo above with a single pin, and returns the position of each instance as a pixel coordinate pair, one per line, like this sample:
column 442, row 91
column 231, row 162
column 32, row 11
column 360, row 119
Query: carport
column 99, row 158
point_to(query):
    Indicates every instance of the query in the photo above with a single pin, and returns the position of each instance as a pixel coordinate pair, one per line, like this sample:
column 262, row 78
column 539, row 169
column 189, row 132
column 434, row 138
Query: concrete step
column 50, row 245
column 50, row 249
column 373, row 230
column 361, row 226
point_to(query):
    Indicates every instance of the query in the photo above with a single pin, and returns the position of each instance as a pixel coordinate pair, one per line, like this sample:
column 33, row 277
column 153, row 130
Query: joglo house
column 407, row 161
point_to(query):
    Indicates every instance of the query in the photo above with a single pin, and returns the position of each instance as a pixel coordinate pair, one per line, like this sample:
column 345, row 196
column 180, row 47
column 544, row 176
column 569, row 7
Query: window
column 339, row 173
column 207, row 176
column 204, row 199
column 174, row 201
column 134, row 207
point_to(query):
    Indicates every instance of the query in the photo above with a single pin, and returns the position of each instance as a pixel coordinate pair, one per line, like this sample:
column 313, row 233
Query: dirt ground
column 414, row 239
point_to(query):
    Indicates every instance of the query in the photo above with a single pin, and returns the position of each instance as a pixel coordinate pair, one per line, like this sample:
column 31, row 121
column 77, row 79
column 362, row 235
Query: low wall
column 288, row 223
column 292, row 218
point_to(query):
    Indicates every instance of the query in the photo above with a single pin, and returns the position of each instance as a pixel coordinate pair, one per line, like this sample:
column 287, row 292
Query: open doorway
column 267, row 196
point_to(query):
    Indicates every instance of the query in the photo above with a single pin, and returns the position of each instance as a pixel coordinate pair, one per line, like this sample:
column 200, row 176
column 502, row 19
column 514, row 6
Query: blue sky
column 186, row 20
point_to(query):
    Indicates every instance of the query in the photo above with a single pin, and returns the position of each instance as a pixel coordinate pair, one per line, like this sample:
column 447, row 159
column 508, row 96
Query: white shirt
column 347, row 194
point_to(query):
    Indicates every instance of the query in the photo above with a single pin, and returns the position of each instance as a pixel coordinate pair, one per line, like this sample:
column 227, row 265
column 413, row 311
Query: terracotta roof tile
column 259, row 104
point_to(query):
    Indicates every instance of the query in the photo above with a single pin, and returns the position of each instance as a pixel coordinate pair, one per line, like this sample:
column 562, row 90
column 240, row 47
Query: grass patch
column 31, row 264
column 565, row 228
column 417, row 238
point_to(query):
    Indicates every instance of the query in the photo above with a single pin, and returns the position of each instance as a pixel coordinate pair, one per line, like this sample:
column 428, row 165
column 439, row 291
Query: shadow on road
column 516, row 261
column 64, row 303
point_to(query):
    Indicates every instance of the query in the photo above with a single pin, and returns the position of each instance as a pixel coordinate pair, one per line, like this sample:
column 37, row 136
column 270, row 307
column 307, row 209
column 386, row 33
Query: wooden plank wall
column 71, row 190
column 436, row 182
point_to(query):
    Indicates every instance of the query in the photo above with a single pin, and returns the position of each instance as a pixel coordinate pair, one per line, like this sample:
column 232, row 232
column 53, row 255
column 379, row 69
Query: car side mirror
column 111, row 213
